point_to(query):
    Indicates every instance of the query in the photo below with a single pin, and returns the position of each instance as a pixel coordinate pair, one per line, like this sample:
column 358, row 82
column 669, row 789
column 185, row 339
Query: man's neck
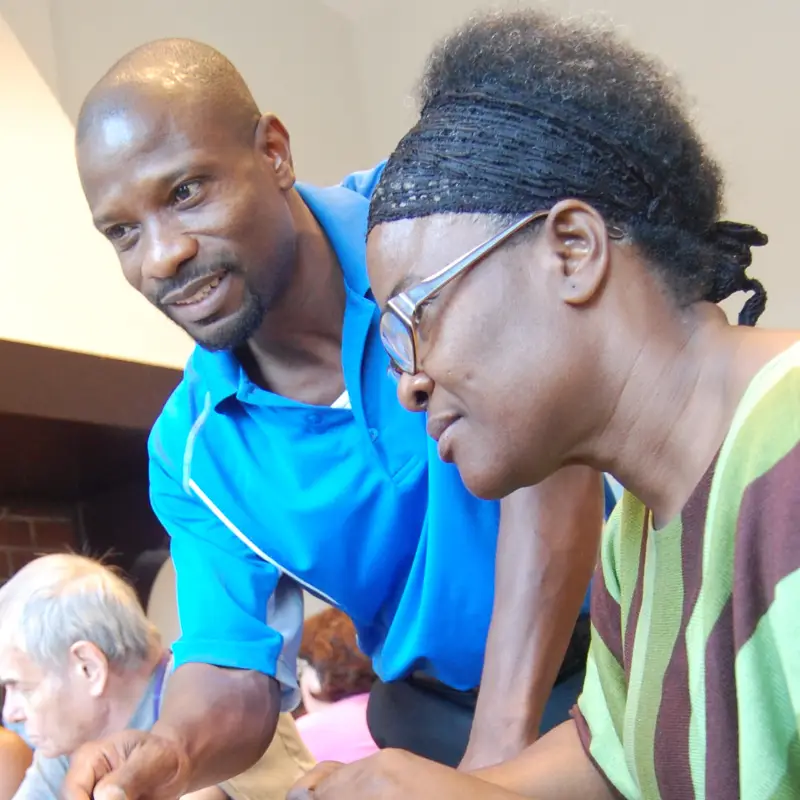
column 297, row 351
column 126, row 692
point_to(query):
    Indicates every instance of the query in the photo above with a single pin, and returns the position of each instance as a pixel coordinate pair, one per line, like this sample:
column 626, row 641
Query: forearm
column 224, row 719
column 554, row 768
column 547, row 550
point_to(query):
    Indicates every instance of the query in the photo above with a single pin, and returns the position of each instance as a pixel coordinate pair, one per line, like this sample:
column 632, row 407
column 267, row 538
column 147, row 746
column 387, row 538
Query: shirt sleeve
column 235, row 609
column 364, row 182
column 44, row 779
column 600, row 711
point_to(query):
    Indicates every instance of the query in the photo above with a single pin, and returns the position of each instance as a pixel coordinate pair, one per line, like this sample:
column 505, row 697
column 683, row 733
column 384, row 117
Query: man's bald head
column 175, row 71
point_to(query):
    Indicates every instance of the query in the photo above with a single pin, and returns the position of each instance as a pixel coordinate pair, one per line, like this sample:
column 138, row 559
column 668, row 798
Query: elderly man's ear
column 88, row 667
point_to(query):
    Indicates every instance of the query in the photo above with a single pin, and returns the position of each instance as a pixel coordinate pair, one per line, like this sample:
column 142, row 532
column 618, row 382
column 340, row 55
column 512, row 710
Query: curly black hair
column 520, row 110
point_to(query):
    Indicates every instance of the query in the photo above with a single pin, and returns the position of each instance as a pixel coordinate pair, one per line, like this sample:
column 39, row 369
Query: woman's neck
column 676, row 405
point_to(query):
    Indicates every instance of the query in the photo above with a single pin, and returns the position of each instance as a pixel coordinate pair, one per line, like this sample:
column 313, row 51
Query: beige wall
column 61, row 284
column 298, row 58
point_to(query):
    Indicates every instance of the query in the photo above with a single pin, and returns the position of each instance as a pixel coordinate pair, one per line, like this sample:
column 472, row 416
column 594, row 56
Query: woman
column 554, row 168
column 335, row 680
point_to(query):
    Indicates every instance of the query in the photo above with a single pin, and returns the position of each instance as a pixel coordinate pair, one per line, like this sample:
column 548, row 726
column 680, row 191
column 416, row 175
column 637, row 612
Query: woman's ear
column 577, row 236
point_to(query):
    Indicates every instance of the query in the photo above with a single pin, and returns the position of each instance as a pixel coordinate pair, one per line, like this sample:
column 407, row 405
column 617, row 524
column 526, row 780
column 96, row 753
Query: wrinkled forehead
column 405, row 251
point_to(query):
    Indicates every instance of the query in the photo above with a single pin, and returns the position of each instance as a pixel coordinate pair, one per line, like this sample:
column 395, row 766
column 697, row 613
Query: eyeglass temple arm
column 429, row 286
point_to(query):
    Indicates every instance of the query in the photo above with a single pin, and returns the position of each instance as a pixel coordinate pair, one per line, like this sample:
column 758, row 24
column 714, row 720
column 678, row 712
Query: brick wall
column 29, row 530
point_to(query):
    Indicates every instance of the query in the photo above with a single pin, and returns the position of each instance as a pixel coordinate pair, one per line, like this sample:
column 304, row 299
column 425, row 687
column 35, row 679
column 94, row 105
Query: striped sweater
column 693, row 683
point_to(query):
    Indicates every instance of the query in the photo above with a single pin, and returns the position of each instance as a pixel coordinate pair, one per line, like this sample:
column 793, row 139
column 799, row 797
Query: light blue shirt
column 261, row 495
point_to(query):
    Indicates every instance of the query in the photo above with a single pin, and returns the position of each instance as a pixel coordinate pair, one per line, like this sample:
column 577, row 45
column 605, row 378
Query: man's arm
column 222, row 719
column 555, row 768
column 547, row 551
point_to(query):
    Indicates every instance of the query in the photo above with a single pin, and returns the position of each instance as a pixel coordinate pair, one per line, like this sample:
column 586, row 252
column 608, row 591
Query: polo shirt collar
column 342, row 214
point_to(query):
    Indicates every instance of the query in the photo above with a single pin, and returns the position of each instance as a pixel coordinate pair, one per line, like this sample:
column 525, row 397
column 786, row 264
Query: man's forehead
column 16, row 666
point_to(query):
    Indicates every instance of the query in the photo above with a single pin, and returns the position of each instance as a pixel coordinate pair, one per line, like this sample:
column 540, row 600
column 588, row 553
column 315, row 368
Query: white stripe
column 190, row 439
column 255, row 548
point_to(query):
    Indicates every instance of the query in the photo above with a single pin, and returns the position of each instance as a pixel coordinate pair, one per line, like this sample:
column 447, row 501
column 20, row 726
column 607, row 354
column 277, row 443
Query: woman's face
column 501, row 358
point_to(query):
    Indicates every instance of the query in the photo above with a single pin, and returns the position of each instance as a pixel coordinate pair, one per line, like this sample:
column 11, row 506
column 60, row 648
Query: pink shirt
column 339, row 732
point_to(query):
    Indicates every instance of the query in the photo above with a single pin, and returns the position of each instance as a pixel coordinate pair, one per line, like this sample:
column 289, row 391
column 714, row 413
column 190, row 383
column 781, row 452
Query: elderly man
column 79, row 660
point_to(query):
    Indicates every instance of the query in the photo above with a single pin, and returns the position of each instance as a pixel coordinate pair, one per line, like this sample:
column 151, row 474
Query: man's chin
column 225, row 334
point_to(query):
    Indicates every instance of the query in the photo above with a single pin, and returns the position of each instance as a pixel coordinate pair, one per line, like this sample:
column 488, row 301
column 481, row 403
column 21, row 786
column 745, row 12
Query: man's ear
column 89, row 667
column 577, row 236
column 272, row 141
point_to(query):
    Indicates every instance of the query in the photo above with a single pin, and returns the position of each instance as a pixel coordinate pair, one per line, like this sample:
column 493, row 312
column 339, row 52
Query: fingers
column 129, row 766
column 149, row 772
column 304, row 788
column 87, row 767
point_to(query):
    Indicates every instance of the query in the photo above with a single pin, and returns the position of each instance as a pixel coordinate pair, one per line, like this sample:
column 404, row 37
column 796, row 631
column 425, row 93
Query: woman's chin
column 485, row 483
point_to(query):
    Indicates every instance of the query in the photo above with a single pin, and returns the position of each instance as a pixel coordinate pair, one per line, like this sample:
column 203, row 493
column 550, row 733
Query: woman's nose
column 413, row 391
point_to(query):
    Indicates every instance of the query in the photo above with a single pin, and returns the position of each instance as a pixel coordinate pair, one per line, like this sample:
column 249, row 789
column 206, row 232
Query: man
column 284, row 461
column 79, row 660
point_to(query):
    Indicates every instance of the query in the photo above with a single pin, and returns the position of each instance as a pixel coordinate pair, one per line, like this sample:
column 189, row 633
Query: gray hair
column 58, row 600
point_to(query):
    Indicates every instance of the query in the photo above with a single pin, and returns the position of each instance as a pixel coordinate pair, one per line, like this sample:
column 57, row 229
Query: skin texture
column 562, row 348
column 15, row 758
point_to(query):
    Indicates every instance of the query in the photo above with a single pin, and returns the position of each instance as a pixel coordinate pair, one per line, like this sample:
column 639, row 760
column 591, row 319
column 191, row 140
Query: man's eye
column 117, row 232
column 186, row 191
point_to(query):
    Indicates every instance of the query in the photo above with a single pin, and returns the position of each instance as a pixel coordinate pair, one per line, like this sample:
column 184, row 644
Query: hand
column 132, row 765
column 393, row 775
column 304, row 788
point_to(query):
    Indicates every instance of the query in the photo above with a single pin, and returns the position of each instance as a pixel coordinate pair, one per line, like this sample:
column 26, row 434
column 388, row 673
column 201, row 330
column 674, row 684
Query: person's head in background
column 76, row 652
column 547, row 351
column 332, row 667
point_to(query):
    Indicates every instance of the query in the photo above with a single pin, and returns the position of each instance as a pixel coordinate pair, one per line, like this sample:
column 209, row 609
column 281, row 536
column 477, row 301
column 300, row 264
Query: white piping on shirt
column 251, row 545
column 188, row 451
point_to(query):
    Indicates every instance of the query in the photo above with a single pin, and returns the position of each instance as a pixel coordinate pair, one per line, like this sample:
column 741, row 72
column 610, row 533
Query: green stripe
column 602, row 704
column 632, row 519
column 768, row 683
column 789, row 787
column 609, row 552
column 656, row 634
column 757, row 440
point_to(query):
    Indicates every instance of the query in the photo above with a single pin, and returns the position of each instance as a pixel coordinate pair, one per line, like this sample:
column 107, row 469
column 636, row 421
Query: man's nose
column 166, row 250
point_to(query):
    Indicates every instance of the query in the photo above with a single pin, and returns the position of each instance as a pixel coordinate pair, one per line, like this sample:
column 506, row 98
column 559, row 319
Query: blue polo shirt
column 262, row 495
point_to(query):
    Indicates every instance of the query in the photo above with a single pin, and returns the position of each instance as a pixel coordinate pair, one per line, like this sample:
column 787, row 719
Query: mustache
column 188, row 274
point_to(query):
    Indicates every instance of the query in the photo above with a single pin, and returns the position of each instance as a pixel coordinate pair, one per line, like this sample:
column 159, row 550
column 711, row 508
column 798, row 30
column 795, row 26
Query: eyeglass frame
column 407, row 305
